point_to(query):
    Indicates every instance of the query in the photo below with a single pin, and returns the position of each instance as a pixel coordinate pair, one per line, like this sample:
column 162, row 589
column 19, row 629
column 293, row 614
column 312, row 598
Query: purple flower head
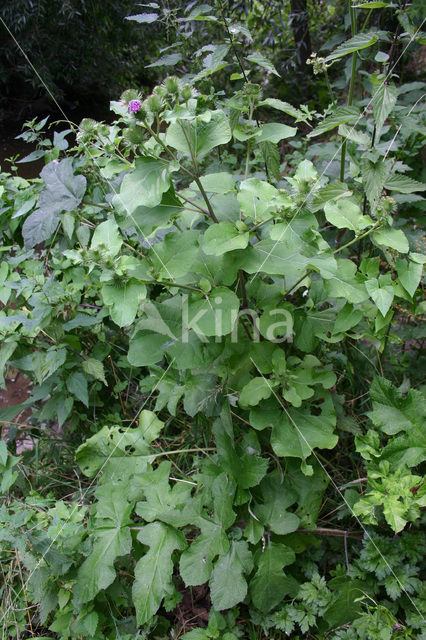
column 134, row 106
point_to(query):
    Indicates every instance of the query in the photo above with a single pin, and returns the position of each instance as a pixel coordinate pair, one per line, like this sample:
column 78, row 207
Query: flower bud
column 128, row 95
column 172, row 85
column 134, row 106
column 186, row 92
column 154, row 103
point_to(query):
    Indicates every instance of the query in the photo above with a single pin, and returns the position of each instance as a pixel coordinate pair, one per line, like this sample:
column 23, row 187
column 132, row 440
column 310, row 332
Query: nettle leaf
column 112, row 538
column 201, row 135
column 392, row 411
column 169, row 60
column 392, row 238
column 223, row 237
column 302, row 430
column 77, row 385
column 271, row 156
column 382, row 295
column 403, row 184
column 285, row 107
column 350, row 133
column 214, row 315
column 153, row 572
column 94, row 368
column 145, row 185
column 340, row 116
column 384, row 99
column 270, row 585
column 228, row 586
column 258, row 58
column 107, row 236
column 373, row 178
column 143, row 18
column 346, row 214
column 358, row 42
column 112, row 449
column 123, row 300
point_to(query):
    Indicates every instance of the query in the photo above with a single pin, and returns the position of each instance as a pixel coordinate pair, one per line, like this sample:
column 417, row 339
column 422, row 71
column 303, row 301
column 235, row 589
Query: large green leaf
column 340, row 116
column 384, row 99
column 40, row 225
column 373, row 178
column 223, row 237
column 174, row 257
column 272, row 511
column 199, row 136
column 382, row 295
column 147, row 219
column 285, row 107
column 112, row 538
column 300, row 431
column 145, row 185
column 123, row 300
column 393, row 238
column 107, row 237
column 275, row 132
column 409, row 274
column 358, row 42
column 270, row 585
column 196, row 562
column 246, row 469
column 228, row 586
column 112, row 449
column 153, row 572
column 259, row 58
column 214, row 315
column 254, row 391
column 146, row 347
column 392, row 411
column 347, row 283
column 346, row 214
column 403, row 184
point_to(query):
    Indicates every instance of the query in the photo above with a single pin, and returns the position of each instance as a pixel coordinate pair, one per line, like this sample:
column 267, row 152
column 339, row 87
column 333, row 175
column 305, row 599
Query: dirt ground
column 17, row 391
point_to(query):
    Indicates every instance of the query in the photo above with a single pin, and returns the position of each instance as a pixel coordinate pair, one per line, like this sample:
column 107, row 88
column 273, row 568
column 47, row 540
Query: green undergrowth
column 222, row 334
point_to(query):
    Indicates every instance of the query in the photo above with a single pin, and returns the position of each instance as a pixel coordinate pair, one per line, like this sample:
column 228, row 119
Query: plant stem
column 330, row 90
column 196, row 175
column 351, row 90
column 364, row 235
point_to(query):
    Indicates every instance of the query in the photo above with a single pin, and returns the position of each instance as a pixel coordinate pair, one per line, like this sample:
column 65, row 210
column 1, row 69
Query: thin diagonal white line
column 91, row 484
column 314, row 185
column 337, row 488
